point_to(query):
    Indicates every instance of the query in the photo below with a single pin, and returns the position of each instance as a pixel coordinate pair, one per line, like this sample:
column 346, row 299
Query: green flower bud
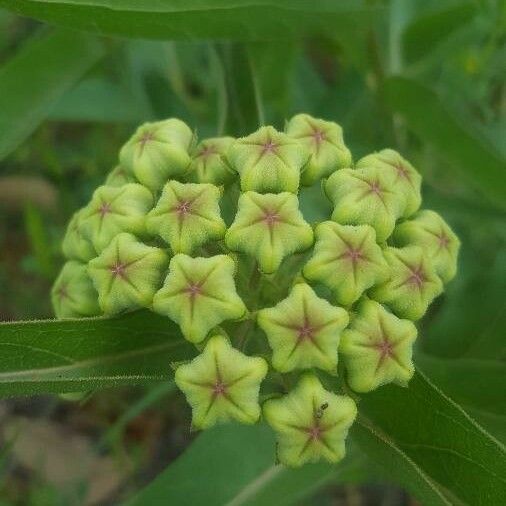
column 198, row 294
column 268, row 161
column 429, row 231
column 73, row 295
column 413, row 283
column 113, row 210
column 127, row 274
column 365, row 197
column 222, row 384
column 75, row 245
column 347, row 260
column 324, row 141
column 157, row 152
column 269, row 227
column 208, row 163
column 303, row 331
column 187, row 216
column 377, row 347
column 407, row 180
column 311, row 423
column 119, row 177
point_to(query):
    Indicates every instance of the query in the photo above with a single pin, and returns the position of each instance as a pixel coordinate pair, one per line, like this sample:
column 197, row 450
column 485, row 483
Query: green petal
column 269, row 227
column 208, row 164
column 127, row 274
column 365, row 197
column 323, row 140
column 158, row 151
column 268, row 161
column 75, row 245
column 303, row 331
column 413, row 283
column 311, row 423
column 347, row 260
column 119, row 176
column 73, row 295
column 407, row 180
column 429, row 231
column 198, row 294
column 113, row 210
column 222, row 384
column 377, row 348
column 187, row 216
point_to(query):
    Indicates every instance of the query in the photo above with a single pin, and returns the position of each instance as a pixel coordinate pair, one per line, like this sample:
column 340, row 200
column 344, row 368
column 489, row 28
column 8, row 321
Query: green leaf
column 471, row 153
column 431, row 446
column 31, row 82
column 171, row 19
column 235, row 465
column 423, row 35
column 79, row 355
column 478, row 385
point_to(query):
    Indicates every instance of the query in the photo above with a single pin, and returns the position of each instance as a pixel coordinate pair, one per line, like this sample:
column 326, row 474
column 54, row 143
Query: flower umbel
column 284, row 312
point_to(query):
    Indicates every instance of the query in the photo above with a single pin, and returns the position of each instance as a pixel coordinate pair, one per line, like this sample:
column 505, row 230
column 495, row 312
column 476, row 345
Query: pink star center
column 305, row 332
column 268, row 147
column 375, row 188
column 444, row 241
column 207, row 152
column 315, row 432
column 118, row 269
column 318, row 136
column 417, row 278
column 194, row 289
column 354, row 255
column 402, row 171
column 183, row 207
column 104, row 208
column 271, row 218
column 219, row 388
column 385, row 349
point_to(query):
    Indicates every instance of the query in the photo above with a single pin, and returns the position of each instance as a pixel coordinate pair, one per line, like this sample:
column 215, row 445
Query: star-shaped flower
column 365, row 197
column 347, row 260
column 303, row 331
column 406, row 178
column 127, row 274
column 113, row 210
column 208, row 163
column 324, row 141
column 158, row 151
column 119, row 176
column 268, row 161
column 377, row 348
column 75, row 245
column 198, row 294
column 187, row 216
column 429, row 231
column 269, row 227
column 73, row 295
column 413, row 282
column 311, row 423
column 222, row 384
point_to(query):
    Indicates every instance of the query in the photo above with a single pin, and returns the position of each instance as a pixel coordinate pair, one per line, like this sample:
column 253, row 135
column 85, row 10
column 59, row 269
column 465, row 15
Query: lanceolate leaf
column 430, row 445
column 79, row 355
column 235, row 465
column 37, row 77
column 171, row 19
column 426, row 114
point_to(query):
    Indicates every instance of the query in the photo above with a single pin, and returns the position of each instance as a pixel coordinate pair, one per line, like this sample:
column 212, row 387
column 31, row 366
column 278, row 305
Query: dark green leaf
column 431, row 446
column 37, row 77
column 171, row 19
column 79, row 355
column 473, row 156
column 235, row 465
column 426, row 32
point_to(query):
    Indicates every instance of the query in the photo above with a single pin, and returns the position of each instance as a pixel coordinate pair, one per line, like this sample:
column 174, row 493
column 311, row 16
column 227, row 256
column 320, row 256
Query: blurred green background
column 426, row 78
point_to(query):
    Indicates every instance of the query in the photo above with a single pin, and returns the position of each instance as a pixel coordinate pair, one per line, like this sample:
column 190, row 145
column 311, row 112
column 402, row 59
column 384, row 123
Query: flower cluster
column 288, row 317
